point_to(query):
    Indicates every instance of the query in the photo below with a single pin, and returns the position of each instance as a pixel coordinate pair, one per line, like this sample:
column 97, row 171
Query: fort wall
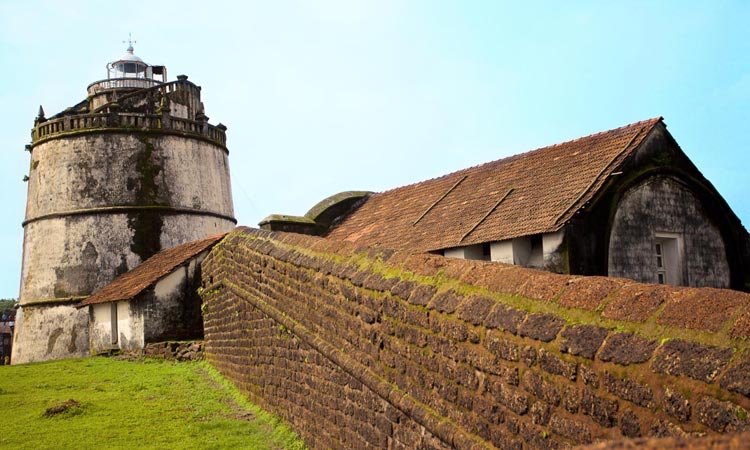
column 368, row 347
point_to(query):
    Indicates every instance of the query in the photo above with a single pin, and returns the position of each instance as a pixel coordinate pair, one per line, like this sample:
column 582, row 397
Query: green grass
column 146, row 404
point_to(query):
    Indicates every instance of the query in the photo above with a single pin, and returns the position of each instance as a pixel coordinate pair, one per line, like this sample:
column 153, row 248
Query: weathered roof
column 531, row 193
column 133, row 282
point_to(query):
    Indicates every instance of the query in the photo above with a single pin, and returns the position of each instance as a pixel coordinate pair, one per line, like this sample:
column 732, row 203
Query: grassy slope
column 124, row 405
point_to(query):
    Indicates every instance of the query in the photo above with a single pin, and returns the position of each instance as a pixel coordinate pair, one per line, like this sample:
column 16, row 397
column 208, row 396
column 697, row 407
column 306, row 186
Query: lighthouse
column 134, row 168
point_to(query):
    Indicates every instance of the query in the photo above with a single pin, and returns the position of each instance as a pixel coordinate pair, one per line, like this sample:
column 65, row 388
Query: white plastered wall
column 468, row 252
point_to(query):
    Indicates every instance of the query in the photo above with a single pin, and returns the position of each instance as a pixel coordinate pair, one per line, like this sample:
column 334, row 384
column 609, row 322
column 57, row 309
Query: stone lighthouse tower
column 130, row 170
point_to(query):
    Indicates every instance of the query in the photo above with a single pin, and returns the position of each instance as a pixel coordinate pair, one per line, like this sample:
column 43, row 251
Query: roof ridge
column 643, row 130
column 641, row 123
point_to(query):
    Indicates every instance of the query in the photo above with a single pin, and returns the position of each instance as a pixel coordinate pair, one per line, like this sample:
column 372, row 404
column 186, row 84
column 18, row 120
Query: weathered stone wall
column 50, row 332
column 129, row 331
column 172, row 308
column 359, row 347
column 102, row 168
column 102, row 201
column 174, row 350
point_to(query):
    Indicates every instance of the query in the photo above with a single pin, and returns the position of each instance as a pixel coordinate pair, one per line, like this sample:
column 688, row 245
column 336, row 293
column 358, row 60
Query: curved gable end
column 571, row 208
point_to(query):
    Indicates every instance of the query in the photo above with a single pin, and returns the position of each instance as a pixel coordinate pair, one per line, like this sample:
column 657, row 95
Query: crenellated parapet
column 173, row 107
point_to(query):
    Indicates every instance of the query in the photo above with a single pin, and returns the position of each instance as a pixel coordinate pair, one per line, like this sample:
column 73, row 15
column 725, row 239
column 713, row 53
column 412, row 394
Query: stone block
column 376, row 282
column 582, row 340
column 506, row 441
column 706, row 309
column 626, row 349
column 455, row 330
column 603, row 411
column 635, row 302
column 721, row 416
column 417, row 316
column 665, row 429
column 528, row 355
column 511, row 398
column 741, row 327
column 540, row 413
column 358, row 278
column 588, row 292
column 556, row 366
column 541, row 388
column 702, row 362
column 422, row 294
column 446, row 301
column 571, row 399
column 501, row 347
column 535, row 437
column 504, row 317
column 676, row 405
column 466, row 376
column 630, row 426
column 737, row 379
column 475, row 308
column 505, row 279
column 544, row 286
column 571, row 429
column 542, row 327
column 465, row 399
column 404, row 288
column 629, row 390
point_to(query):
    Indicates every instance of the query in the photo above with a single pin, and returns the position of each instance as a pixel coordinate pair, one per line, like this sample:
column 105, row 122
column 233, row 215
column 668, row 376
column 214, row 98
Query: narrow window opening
column 114, row 322
column 668, row 258
column 486, row 252
column 661, row 272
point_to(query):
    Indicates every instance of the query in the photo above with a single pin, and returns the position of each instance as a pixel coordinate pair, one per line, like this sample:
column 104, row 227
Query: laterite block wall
column 359, row 348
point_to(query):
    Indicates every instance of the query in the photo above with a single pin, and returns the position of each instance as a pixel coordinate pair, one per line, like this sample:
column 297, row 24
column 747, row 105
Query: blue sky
column 333, row 95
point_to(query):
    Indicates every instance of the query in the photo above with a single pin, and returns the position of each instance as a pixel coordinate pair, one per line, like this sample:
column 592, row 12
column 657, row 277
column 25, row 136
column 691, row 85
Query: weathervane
column 130, row 42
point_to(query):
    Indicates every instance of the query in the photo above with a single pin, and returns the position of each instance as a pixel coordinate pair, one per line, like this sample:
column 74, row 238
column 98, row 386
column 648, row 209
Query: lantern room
column 131, row 66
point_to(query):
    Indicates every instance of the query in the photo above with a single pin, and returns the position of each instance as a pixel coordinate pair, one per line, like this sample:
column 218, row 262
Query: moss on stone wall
column 445, row 353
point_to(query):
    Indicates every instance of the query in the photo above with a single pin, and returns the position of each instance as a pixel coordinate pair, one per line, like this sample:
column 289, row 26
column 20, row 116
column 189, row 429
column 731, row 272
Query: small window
column 661, row 272
column 113, row 318
column 668, row 259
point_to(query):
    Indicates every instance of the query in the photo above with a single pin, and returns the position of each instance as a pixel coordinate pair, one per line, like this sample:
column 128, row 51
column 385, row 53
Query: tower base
column 46, row 332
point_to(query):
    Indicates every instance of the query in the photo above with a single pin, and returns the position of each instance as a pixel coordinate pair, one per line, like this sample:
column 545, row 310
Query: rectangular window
column 114, row 322
column 661, row 272
column 668, row 256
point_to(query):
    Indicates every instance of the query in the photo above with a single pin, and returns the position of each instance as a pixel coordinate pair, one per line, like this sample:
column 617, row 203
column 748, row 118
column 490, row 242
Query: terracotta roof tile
column 530, row 193
column 133, row 282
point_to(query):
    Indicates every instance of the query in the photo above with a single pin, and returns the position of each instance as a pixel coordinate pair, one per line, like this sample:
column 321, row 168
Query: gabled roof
column 132, row 283
column 531, row 193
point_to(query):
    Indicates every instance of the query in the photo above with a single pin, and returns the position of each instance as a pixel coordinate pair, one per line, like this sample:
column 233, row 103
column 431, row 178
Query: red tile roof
column 132, row 283
column 531, row 193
